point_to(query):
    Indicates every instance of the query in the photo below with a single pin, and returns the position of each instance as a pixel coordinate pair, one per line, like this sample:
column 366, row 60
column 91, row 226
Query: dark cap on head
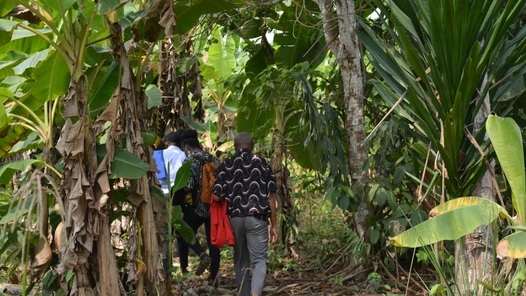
column 189, row 134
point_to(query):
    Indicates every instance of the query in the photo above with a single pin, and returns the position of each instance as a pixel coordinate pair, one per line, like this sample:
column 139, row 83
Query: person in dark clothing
column 196, row 213
column 248, row 185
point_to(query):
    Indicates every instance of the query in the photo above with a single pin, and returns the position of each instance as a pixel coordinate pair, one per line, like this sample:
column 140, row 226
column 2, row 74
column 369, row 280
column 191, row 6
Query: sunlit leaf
column 60, row 4
column 6, row 30
column 221, row 55
column 455, row 219
column 505, row 135
column 107, row 6
column 155, row 97
column 149, row 138
column 513, row 245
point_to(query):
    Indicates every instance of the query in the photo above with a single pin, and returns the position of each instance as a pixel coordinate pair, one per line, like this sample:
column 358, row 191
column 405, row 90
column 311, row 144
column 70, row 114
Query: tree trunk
column 134, row 107
column 285, row 202
column 345, row 47
column 84, row 201
column 474, row 253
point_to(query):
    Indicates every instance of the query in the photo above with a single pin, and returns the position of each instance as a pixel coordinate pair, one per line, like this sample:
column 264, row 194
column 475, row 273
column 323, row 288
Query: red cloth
column 221, row 231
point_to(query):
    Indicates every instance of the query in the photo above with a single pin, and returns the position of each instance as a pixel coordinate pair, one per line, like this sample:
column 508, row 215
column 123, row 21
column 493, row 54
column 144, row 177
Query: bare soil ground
column 340, row 279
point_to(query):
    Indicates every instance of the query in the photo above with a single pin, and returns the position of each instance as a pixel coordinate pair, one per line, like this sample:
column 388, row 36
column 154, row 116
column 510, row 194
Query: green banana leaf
column 514, row 245
column 454, row 219
column 6, row 7
column 9, row 169
column 221, row 56
column 155, row 97
column 15, row 134
column 182, row 176
column 187, row 15
column 6, row 31
column 104, row 85
column 18, row 211
column 505, row 135
column 125, row 164
column 63, row 4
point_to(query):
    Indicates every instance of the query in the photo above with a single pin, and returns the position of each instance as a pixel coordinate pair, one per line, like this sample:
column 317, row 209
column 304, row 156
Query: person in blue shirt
column 173, row 159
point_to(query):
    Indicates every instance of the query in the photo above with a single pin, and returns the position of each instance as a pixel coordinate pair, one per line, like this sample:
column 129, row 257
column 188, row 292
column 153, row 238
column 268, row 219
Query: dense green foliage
column 89, row 88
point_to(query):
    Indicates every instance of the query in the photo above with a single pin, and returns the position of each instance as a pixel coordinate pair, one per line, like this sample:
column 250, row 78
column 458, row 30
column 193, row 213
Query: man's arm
column 273, row 220
column 216, row 198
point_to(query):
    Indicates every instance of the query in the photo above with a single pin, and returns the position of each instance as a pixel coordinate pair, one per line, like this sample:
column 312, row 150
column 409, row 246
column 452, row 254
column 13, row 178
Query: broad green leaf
column 505, row 135
column 199, row 127
column 259, row 61
column 456, row 218
column 186, row 232
column 462, row 202
column 26, row 41
column 6, row 7
column 187, row 16
column 155, row 97
column 104, row 85
column 51, row 80
column 107, row 6
column 23, row 33
column 6, row 31
column 344, row 201
column 515, row 244
column 155, row 190
column 3, row 117
column 33, row 141
column 258, row 121
column 221, row 55
column 15, row 133
column 17, row 212
column 182, row 176
column 148, row 138
column 125, row 164
column 58, row 5
column 299, row 43
column 9, row 169
column 31, row 62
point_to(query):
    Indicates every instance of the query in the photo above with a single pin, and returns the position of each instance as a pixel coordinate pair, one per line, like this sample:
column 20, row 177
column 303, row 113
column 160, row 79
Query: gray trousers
column 251, row 244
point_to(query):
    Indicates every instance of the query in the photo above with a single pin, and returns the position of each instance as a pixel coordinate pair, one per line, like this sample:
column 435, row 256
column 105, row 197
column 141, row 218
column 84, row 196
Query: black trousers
column 195, row 221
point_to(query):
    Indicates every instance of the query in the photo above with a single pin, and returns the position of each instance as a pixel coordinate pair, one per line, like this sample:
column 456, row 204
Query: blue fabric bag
column 159, row 162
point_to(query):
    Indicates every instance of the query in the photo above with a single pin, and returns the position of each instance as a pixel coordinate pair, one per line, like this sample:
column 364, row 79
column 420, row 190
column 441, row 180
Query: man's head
column 173, row 139
column 243, row 140
column 190, row 140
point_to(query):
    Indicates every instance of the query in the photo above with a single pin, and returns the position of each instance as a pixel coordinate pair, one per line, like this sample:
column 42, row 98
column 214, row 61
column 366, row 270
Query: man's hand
column 273, row 235
column 216, row 198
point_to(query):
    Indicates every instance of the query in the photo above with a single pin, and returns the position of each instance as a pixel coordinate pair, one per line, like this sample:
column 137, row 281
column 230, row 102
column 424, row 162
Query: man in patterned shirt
column 248, row 185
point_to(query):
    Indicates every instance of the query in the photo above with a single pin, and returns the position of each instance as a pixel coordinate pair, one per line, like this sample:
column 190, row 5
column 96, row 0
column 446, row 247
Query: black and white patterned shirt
column 245, row 181
column 197, row 160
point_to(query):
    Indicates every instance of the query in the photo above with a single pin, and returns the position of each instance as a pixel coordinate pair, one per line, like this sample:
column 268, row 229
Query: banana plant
column 460, row 216
column 217, row 68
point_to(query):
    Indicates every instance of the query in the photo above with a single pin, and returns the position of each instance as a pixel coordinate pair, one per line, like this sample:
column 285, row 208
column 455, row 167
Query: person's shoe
column 203, row 265
column 184, row 271
column 213, row 282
